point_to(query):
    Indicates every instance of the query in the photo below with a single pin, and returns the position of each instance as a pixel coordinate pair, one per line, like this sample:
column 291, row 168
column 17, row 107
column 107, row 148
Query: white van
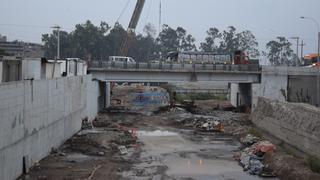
column 121, row 59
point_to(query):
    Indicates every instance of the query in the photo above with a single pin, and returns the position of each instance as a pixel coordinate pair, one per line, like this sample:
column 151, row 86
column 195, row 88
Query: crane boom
column 136, row 14
column 131, row 28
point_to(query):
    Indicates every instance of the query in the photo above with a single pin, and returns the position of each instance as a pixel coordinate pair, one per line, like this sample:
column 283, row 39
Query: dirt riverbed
column 173, row 144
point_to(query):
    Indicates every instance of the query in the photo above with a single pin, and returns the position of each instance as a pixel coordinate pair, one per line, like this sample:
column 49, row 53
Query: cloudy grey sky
column 265, row 18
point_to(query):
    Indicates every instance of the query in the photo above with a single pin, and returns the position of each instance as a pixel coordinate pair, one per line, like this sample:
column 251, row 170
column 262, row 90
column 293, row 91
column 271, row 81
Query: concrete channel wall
column 294, row 123
column 36, row 116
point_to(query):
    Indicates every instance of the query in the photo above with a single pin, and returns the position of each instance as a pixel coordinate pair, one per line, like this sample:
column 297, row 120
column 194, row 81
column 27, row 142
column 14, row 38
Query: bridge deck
column 173, row 67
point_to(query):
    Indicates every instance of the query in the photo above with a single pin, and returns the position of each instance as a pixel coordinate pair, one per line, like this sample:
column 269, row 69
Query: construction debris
column 123, row 150
column 249, row 140
column 251, row 158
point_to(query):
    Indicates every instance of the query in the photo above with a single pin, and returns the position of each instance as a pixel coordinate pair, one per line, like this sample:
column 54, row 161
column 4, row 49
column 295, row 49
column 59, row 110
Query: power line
column 31, row 26
column 123, row 10
column 148, row 11
column 25, row 25
column 160, row 14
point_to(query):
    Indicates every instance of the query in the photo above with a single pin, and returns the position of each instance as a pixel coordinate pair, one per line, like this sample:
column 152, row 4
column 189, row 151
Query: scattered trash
column 62, row 154
column 37, row 165
column 54, row 150
column 93, row 172
column 101, row 153
column 57, row 152
column 42, row 177
column 249, row 140
column 251, row 157
column 123, row 150
column 265, row 147
column 86, row 124
column 255, row 166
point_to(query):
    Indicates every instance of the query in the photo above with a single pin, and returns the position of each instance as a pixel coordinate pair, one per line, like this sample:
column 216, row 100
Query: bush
column 255, row 132
column 314, row 163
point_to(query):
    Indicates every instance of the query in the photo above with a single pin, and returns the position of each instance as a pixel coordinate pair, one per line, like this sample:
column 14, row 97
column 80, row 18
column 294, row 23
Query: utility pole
column 58, row 48
column 302, row 48
column 58, row 39
column 318, row 61
column 297, row 38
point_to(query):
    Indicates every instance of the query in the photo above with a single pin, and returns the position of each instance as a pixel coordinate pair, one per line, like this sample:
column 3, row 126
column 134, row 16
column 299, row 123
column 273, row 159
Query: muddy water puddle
column 185, row 155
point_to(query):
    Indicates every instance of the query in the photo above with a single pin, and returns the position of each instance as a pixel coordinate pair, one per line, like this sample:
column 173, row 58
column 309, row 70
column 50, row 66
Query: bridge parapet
column 163, row 66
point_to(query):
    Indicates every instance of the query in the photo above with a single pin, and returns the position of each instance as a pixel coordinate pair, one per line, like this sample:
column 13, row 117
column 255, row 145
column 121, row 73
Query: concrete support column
column 241, row 94
column 234, row 94
column 108, row 95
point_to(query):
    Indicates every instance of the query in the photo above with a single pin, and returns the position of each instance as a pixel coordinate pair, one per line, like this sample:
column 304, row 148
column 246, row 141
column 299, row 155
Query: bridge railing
column 171, row 66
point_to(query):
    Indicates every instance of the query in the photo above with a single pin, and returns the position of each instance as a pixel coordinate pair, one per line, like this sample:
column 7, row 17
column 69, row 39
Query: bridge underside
column 160, row 76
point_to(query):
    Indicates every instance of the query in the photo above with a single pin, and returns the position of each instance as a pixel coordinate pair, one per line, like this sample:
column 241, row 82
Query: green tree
column 229, row 41
column 279, row 52
column 167, row 40
column 248, row 43
column 50, row 44
column 144, row 46
column 174, row 40
column 114, row 39
column 210, row 44
column 88, row 39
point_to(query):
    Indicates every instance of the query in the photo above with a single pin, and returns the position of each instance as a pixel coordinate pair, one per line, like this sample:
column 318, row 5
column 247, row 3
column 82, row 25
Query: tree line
column 91, row 42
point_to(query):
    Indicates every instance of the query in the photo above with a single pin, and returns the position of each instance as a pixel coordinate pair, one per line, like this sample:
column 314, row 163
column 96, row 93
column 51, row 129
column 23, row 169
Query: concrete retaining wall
column 93, row 94
column 36, row 116
column 295, row 124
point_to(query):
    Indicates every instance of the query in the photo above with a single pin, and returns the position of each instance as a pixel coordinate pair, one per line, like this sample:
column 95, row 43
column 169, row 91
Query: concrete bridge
column 247, row 82
column 173, row 72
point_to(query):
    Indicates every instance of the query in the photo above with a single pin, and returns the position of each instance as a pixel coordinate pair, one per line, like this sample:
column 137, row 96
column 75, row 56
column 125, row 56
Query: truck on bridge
column 239, row 57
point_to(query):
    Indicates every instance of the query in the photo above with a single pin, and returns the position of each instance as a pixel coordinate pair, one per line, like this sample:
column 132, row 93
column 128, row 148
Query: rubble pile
column 203, row 123
column 251, row 158
column 216, row 121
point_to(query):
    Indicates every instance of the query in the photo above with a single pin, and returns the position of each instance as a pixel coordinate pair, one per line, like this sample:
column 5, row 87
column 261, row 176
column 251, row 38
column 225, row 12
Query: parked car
column 121, row 59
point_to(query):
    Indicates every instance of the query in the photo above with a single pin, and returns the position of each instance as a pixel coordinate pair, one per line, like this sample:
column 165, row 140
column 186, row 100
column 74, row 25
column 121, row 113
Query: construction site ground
column 170, row 144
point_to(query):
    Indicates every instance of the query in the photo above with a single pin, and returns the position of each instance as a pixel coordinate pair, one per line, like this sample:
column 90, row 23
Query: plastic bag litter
column 264, row 147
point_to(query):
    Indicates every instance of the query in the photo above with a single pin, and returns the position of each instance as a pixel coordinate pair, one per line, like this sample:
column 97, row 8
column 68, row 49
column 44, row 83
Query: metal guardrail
column 171, row 66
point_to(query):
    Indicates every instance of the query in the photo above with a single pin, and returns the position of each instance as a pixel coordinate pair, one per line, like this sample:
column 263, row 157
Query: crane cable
column 123, row 10
column 148, row 12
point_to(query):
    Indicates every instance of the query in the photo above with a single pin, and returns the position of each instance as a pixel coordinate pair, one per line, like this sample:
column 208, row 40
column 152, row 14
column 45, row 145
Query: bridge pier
column 241, row 94
column 107, row 94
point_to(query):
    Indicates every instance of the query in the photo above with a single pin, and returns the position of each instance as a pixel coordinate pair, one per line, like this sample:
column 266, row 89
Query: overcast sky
column 265, row 18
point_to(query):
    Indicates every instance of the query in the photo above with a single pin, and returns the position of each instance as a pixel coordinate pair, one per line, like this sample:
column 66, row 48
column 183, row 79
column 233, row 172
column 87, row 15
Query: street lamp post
column 58, row 39
column 297, row 38
column 58, row 48
column 318, row 58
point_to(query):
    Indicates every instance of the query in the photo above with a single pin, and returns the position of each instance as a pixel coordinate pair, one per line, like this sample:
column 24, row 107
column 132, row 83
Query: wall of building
column 50, row 67
column 38, row 115
column 272, row 86
column 282, row 84
column 295, row 124
column 302, row 89
column 11, row 70
column 31, row 69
